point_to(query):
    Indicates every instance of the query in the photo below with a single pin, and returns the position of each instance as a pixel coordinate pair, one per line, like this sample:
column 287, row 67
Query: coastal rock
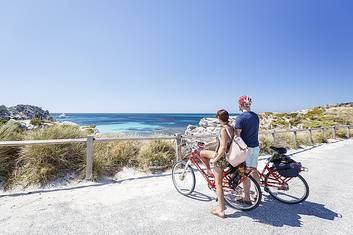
column 23, row 112
column 4, row 113
column 207, row 126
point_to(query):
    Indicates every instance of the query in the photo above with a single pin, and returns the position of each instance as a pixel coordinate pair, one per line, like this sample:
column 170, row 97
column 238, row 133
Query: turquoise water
column 137, row 122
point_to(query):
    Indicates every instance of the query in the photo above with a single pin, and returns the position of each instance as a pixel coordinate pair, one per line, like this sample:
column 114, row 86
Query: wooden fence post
column 323, row 132
column 178, row 147
column 348, row 132
column 334, row 132
column 273, row 136
column 89, row 158
column 295, row 139
column 311, row 136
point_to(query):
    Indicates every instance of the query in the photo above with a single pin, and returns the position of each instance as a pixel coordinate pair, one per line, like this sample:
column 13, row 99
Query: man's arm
column 237, row 132
column 238, row 126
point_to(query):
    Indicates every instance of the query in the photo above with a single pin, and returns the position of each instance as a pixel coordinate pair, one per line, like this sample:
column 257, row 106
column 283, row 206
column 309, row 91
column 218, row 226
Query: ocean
column 168, row 123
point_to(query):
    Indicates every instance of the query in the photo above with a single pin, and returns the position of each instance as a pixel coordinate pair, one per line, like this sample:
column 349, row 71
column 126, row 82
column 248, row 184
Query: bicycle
column 290, row 190
column 183, row 173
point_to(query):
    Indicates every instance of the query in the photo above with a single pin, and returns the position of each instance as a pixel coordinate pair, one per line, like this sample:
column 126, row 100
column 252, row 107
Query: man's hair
column 223, row 115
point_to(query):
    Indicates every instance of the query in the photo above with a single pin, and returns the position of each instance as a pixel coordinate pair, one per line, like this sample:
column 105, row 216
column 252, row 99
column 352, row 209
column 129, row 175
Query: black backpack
column 287, row 169
column 286, row 166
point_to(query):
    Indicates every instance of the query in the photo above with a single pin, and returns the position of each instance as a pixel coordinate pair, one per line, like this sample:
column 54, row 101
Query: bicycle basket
column 287, row 169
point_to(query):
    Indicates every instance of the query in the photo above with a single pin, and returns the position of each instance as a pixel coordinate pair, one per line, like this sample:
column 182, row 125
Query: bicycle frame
column 194, row 157
column 274, row 179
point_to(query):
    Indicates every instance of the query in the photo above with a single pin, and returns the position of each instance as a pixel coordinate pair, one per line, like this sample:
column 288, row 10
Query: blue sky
column 175, row 56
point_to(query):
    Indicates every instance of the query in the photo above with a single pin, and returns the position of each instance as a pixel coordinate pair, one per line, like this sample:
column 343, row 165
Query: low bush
column 39, row 164
column 265, row 144
column 341, row 133
column 36, row 121
column 3, row 122
column 319, row 138
column 157, row 153
column 109, row 158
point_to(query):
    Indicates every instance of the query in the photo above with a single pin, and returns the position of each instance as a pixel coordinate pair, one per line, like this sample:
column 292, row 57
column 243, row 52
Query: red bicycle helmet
column 245, row 101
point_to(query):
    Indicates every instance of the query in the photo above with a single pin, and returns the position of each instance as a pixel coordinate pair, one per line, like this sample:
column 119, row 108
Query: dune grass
column 9, row 155
column 39, row 164
column 157, row 153
column 109, row 158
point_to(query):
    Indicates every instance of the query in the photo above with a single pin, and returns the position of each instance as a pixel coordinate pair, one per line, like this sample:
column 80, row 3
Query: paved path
column 150, row 205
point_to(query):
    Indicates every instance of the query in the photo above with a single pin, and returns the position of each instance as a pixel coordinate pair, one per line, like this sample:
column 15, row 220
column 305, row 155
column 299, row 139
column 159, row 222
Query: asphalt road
column 151, row 205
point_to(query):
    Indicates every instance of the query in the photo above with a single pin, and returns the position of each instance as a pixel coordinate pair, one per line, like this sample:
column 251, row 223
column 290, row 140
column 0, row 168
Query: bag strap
column 229, row 133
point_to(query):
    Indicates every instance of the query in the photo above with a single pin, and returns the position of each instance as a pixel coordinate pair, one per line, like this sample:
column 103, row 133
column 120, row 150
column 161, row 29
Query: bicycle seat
column 279, row 150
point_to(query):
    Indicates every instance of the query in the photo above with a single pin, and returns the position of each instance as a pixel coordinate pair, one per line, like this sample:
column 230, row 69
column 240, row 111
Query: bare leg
column 246, row 184
column 206, row 155
column 219, row 211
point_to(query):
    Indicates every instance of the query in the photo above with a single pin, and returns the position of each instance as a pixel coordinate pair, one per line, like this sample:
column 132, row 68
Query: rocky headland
column 24, row 112
column 321, row 116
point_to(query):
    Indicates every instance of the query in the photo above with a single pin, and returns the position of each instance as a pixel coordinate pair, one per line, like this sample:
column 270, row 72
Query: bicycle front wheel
column 235, row 197
column 287, row 190
column 183, row 178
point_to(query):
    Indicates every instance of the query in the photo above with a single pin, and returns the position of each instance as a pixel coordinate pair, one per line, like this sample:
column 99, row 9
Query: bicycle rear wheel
column 287, row 190
column 234, row 197
column 183, row 178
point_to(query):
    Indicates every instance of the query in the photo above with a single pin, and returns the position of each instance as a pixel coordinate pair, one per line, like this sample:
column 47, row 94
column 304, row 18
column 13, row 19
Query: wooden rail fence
column 89, row 141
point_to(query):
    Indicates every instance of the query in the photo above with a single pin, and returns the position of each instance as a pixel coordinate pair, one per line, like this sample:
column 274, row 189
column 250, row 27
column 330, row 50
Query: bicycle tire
column 189, row 168
column 303, row 198
column 237, row 206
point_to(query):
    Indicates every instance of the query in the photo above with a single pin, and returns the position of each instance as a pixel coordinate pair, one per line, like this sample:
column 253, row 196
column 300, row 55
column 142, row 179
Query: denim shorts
column 252, row 159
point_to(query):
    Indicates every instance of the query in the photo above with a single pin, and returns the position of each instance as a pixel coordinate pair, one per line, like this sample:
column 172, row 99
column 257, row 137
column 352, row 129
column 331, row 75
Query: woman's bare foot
column 218, row 212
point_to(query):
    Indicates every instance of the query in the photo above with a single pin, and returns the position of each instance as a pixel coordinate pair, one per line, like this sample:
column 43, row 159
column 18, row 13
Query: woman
column 224, row 139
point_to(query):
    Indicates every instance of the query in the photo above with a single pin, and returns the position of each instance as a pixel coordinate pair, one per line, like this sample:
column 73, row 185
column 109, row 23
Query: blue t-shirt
column 249, row 123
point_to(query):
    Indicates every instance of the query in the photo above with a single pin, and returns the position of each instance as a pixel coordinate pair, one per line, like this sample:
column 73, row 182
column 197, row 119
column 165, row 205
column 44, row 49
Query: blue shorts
column 252, row 159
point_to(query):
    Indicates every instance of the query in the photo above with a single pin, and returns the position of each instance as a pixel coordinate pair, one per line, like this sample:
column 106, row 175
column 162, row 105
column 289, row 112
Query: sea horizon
column 166, row 123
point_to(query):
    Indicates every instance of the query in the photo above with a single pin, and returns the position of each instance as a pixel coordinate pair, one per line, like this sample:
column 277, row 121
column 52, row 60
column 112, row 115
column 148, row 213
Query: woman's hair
column 223, row 115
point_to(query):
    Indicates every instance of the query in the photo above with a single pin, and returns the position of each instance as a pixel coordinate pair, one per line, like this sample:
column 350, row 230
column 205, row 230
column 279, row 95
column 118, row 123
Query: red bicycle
column 184, row 181
column 290, row 190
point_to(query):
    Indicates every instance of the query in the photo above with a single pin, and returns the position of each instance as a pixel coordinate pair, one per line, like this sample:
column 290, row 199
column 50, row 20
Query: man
column 247, row 127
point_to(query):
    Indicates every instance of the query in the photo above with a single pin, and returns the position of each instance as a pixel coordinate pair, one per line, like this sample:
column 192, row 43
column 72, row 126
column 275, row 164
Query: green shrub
column 109, row 158
column 8, row 155
column 89, row 131
column 265, row 144
column 157, row 153
column 39, row 164
column 341, row 134
column 319, row 138
column 315, row 113
column 3, row 122
column 36, row 121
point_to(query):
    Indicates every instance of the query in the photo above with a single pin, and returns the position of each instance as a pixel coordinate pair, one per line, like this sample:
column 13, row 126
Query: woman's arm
column 223, row 146
column 210, row 143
